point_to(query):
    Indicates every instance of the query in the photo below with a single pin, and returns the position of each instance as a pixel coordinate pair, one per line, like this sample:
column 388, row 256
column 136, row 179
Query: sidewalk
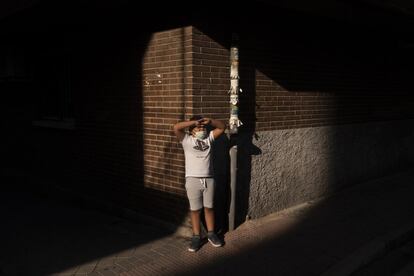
column 333, row 236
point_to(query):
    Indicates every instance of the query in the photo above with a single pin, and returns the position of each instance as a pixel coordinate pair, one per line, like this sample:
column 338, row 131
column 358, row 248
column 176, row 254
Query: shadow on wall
column 245, row 140
column 221, row 174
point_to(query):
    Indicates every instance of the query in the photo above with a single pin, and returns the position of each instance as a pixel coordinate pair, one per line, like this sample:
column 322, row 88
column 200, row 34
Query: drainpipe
column 234, row 124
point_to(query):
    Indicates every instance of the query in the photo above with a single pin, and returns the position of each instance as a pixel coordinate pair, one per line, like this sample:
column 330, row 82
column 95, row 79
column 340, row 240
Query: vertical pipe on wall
column 234, row 124
column 233, row 180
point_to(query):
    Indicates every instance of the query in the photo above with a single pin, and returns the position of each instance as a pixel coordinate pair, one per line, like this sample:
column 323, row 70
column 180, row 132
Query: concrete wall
column 297, row 165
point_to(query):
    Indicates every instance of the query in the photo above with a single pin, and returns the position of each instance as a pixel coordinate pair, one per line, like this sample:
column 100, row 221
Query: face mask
column 200, row 134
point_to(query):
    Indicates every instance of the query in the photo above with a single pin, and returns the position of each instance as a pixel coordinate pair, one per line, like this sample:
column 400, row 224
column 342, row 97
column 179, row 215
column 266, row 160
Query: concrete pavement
column 45, row 237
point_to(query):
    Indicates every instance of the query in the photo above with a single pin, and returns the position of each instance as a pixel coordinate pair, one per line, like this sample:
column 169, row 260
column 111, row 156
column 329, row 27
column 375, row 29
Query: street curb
column 371, row 251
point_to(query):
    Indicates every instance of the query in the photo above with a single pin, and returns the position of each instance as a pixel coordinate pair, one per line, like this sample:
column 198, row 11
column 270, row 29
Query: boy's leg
column 211, row 235
column 208, row 202
column 195, row 243
column 195, row 222
column 209, row 214
column 195, row 195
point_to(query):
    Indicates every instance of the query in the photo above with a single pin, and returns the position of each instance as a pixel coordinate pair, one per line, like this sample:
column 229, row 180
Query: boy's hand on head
column 205, row 121
column 199, row 122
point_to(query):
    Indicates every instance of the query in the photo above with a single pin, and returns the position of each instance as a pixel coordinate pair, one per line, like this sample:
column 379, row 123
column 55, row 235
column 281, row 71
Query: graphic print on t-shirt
column 201, row 146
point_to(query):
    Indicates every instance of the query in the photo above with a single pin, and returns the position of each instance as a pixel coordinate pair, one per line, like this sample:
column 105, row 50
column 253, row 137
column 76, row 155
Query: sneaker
column 214, row 240
column 195, row 244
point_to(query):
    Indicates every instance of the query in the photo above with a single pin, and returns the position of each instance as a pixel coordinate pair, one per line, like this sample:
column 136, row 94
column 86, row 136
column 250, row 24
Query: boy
column 199, row 173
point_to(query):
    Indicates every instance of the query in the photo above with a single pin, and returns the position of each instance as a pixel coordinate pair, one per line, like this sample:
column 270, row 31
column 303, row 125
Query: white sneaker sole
column 214, row 244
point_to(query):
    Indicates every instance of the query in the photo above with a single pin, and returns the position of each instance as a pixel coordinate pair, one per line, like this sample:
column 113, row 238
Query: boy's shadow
column 221, row 163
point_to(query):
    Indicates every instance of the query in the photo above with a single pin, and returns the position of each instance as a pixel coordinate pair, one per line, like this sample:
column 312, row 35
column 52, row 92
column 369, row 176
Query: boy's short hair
column 194, row 118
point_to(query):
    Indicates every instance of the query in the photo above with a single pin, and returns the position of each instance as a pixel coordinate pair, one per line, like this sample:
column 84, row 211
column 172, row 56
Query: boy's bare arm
column 179, row 128
column 218, row 125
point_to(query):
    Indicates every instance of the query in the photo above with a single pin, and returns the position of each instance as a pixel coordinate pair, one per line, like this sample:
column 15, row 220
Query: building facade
column 326, row 104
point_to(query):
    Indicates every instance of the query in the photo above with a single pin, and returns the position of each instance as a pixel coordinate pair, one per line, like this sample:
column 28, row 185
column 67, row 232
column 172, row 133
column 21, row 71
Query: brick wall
column 211, row 72
column 293, row 83
column 129, row 89
column 300, row 88
column 167, row 96
column 184, row 73
column 302, row 80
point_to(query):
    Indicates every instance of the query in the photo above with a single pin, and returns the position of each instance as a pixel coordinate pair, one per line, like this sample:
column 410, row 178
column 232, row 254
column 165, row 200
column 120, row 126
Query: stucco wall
column 293, row 166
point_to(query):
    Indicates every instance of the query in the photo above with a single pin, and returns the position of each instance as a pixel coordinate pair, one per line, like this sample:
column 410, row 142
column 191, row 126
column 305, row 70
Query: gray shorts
column 200, row 192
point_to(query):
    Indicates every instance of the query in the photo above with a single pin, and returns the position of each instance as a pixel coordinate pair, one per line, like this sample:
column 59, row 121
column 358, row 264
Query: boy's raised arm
column 218, row 125
column 179, row 128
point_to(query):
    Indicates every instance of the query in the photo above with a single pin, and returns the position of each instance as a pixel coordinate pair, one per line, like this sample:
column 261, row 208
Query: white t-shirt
column 198, row 156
